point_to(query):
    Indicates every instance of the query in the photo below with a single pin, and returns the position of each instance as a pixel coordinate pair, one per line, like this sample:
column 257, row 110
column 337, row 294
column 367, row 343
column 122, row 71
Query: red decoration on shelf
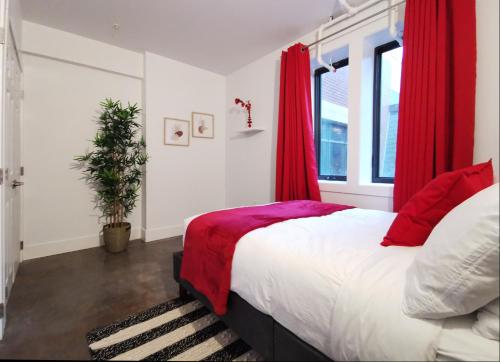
column 248, row 106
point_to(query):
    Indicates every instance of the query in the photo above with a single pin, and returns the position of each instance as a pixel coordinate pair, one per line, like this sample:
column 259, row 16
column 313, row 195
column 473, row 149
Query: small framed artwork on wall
column 203, row 125
column 176, row 132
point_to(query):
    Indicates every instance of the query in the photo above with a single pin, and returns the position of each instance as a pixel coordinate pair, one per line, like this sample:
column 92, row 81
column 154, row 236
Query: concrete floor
column 56, row 300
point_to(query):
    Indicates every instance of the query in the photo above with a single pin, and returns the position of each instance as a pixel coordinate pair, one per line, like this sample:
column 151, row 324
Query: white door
column 12, row 165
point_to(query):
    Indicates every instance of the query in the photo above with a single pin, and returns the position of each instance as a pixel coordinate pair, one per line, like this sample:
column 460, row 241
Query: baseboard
column 163, row 233
column 39, row 250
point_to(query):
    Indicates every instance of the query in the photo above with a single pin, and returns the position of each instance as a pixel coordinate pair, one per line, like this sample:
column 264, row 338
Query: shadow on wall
column 274, row 127
column 237, row 115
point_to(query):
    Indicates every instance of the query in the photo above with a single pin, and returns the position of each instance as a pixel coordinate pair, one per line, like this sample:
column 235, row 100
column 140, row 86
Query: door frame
column 3, row 4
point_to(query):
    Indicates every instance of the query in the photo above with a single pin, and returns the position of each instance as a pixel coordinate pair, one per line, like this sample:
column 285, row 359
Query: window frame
column 377, row 80
column 317, row 118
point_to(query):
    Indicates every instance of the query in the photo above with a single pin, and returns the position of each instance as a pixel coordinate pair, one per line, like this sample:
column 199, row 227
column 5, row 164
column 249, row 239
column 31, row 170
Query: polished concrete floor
column 56, row 300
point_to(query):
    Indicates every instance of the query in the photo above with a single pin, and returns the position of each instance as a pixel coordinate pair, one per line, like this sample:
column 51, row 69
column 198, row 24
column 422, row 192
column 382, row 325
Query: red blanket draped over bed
column 211, row 239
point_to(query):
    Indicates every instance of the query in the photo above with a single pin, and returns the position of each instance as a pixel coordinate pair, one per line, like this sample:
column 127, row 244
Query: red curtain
column 296, row 173
column 438, row 89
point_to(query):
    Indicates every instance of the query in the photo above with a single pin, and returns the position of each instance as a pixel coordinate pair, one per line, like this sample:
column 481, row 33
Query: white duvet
column 328, row 281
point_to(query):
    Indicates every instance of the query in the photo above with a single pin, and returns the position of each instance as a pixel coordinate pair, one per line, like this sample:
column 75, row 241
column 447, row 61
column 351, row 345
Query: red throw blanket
column 211, row 239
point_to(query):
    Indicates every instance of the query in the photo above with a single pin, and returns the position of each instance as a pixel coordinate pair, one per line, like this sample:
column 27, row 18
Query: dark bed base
column 269, row 338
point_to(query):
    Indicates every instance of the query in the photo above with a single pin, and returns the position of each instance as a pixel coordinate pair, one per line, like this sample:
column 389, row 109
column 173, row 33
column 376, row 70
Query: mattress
column 328, row 280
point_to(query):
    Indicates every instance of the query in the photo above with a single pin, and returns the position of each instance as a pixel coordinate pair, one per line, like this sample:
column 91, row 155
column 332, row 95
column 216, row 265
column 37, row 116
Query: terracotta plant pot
column 116, row 238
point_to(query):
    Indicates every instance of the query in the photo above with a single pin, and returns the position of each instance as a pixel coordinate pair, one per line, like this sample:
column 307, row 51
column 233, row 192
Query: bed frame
column 266, row 336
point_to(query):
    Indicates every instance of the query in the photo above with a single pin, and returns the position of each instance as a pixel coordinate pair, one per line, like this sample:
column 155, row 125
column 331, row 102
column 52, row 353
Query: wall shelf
column 252, row 130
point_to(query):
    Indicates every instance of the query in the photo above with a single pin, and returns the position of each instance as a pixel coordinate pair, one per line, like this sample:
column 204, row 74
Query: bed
column 321, row 288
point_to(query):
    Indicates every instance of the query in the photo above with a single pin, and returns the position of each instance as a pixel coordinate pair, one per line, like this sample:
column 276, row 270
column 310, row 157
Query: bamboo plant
column 114, row 168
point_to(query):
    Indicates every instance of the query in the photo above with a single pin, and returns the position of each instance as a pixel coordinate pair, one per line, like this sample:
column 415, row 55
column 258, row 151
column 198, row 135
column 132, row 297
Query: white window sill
column 369, row 189
column 379, row 185
column 332, row 182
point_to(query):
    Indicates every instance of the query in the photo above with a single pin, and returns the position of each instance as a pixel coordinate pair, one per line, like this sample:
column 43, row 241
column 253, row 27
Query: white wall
column 487, row 92
column 250, row 160
column 251, row 157
column 62, row 95
column 182, row 181
column 44, row 41
column 63, row 86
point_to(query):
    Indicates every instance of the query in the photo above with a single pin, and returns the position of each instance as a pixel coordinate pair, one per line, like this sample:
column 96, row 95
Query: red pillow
column 426, row 208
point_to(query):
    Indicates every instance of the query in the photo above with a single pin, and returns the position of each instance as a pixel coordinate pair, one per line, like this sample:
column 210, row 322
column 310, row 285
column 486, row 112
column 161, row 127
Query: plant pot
column 116, row 238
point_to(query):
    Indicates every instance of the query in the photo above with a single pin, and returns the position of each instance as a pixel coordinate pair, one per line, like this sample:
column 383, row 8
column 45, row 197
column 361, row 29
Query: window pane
column 389, row 105
column 333, row 147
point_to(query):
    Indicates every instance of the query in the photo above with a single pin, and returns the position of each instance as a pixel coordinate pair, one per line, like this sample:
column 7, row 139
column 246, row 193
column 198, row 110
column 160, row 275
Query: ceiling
column 217, row 35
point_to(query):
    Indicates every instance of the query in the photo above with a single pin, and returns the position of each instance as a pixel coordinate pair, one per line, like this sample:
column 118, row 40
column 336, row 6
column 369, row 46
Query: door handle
column 16, row 183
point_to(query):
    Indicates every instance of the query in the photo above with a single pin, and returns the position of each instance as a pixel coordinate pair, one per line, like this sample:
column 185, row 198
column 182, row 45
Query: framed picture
column 203, row 125
column 176, row 132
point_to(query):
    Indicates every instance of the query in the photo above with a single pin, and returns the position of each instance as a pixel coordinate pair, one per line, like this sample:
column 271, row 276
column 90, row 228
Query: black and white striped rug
column 179, row 330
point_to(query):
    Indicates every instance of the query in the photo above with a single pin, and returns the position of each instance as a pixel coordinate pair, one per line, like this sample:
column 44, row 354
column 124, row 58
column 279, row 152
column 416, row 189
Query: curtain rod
column 353, row 24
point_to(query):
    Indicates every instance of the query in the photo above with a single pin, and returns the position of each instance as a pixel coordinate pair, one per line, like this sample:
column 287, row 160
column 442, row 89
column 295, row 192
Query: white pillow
column 456, row 271
column 488, row 321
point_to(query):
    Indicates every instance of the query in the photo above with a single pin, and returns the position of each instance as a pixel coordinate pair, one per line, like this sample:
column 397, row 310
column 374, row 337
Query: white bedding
column 329, row 281
column 457, row 342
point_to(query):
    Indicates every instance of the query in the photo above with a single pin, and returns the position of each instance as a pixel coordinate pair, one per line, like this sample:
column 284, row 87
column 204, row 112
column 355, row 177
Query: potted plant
column 114, row 169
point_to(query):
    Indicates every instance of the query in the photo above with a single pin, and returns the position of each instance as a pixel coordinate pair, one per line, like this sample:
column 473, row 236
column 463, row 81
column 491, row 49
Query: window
column 330, row 128
column 387, row 81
